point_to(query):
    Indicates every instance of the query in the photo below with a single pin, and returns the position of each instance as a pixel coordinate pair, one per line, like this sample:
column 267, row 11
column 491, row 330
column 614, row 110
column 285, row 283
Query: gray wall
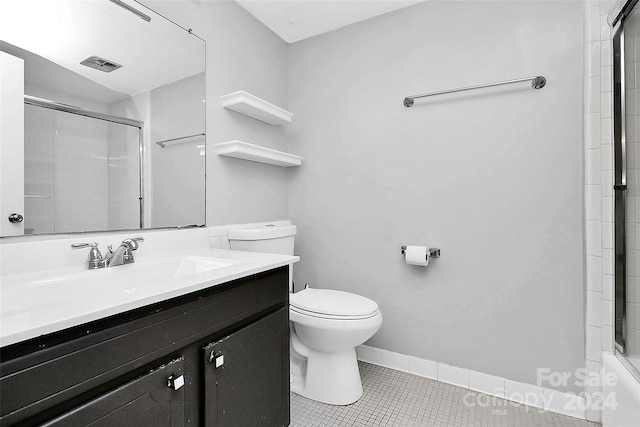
column 242, row 54
column 493, row 178
column 178, row 171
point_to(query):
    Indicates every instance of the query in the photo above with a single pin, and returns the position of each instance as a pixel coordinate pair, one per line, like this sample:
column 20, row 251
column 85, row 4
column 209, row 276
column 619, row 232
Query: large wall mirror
column 102, row 118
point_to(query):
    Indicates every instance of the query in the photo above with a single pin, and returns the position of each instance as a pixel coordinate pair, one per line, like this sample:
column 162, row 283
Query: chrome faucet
column 122, row 255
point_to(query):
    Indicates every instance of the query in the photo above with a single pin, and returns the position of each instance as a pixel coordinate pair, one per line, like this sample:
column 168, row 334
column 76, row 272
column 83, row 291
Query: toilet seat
column 332, row 304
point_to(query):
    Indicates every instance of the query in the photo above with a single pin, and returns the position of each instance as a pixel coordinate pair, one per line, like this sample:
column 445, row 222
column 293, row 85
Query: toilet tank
column 269, row 238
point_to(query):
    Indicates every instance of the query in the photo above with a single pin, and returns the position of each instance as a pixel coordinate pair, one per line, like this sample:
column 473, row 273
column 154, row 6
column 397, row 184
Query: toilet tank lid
column 268, row 231
column 329, row 301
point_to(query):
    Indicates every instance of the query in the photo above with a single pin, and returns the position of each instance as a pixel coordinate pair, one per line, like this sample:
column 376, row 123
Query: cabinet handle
column 175, row 381
column 218, row 358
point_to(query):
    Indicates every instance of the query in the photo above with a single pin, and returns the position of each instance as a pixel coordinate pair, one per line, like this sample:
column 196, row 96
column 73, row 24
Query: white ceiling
column 67, row 32
column 295, row 20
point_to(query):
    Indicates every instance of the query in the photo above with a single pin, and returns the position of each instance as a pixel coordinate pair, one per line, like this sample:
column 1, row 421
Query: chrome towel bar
column 172, row 141
column 537, row 82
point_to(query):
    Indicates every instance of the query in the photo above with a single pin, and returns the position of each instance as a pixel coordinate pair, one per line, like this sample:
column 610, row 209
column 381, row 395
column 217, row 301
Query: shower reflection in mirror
column 90, row 121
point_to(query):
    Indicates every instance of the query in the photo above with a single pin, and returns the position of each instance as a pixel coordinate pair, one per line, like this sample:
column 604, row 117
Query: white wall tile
column 594, row 343
column 562, row 403
column 607, row 209
column 607, row 286
column 594, row 273
column 593, row 201
column 594, row 238
column 593, row 64
column 594, row 28
column 607, row 262
column 606, row 101
column 453, row 375
column 593, row 95
column 593, row 130
column 592, row 25
column 607, row 313
column 606, row 82
column 423, row 368
column 487, row 384
column 605, row 28
column 594, row 308
column 594, row 168
column 606, row 58
column 369, row 354
column 607, row 235
column 397, row 361
column 606, row 7
column 524, row 393
column 606, row 131
column 530, row 394
column 607, row 338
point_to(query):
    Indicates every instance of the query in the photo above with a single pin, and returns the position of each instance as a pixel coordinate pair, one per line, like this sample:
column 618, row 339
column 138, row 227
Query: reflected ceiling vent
column 100, row 64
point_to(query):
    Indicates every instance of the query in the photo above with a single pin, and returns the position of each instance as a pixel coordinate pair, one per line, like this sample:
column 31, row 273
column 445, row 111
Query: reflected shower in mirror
column 102, row 90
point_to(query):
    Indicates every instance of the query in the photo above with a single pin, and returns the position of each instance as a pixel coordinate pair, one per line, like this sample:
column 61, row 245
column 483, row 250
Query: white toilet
column 326, row 325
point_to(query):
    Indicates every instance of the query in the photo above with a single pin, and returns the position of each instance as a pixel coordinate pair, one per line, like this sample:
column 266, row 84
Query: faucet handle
column 133, row 242
column 94, row 260
column 84, row 245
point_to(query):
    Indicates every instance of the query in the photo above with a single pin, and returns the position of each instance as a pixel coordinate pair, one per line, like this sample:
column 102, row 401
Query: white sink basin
column 40, row 302
column 198, row 264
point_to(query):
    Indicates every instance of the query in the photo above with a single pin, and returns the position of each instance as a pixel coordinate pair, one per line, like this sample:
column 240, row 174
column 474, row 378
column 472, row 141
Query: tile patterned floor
column 398, row 399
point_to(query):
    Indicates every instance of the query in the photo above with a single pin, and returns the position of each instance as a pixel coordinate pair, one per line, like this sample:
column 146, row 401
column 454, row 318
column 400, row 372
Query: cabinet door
column 247, row 375
column 155, row 399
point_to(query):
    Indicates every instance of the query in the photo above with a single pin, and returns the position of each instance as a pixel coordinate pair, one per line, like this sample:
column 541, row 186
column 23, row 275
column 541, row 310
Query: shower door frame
column 66, row 108
column 619, row 188
column 620, row 174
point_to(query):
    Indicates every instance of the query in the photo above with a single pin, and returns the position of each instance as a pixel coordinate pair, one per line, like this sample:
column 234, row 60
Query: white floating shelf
column 257, row 108
column 255, row 153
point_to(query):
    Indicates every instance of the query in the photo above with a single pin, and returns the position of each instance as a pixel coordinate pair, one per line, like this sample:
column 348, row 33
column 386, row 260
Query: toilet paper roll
column 416, row 255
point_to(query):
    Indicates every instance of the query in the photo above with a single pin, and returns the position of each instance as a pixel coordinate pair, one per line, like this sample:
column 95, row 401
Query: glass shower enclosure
column 82, row 169
column 626, row 130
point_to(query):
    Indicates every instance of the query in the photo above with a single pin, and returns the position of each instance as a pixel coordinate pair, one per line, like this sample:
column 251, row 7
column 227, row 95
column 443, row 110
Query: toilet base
column 332, row 378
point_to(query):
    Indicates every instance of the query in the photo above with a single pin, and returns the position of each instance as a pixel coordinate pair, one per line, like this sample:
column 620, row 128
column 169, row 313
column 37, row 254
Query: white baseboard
column 528, row 394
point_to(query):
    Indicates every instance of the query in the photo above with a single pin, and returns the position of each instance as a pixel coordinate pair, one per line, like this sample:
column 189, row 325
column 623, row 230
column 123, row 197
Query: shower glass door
column 80, row 173
column 626, row 124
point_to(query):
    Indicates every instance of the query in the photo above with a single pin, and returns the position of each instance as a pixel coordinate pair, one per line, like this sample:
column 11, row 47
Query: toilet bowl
column 326, row 325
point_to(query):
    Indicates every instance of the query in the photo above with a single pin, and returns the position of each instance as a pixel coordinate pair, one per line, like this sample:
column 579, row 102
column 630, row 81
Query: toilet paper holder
column 431, row 253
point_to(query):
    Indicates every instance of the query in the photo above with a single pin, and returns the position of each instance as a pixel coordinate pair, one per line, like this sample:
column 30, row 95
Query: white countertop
column 34, row 304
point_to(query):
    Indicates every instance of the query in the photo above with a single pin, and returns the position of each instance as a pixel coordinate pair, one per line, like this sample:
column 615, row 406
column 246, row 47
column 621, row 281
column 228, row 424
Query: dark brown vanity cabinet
column 216, row 357
column 248, row 366
column 148, row 400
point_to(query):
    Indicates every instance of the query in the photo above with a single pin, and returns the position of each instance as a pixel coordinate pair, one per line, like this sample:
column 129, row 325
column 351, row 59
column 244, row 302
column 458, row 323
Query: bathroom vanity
column 215, row 353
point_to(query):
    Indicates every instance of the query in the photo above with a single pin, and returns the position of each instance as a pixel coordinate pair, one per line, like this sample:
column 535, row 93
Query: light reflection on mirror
column 97, row 165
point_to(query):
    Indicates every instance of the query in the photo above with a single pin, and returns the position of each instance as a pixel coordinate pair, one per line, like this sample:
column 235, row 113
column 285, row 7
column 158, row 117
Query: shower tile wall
column 124, row 171
column 39, row 170
column 81, row 174
column 598, row 188
column 68, row 187
column 124, row 177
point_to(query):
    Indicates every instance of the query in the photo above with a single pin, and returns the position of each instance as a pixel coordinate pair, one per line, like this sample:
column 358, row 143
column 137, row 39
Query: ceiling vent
column 100, row 64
